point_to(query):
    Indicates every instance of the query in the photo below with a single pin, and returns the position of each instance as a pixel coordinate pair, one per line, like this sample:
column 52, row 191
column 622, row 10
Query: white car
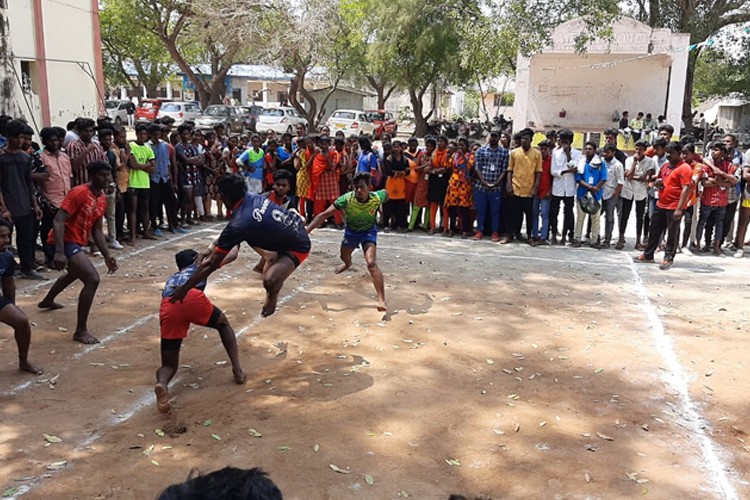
column 180, row 112
column 351, row 121
column 117, row 109
column 280, row 120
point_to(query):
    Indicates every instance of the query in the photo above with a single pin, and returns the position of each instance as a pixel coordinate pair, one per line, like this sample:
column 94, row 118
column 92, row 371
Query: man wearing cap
column 590, row 178
column 490, row 166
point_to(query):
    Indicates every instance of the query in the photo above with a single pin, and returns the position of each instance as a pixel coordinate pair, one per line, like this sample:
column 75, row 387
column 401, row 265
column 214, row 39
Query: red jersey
column 673, row 180
column 545, row 182
column 716, row 196
column 84, row 209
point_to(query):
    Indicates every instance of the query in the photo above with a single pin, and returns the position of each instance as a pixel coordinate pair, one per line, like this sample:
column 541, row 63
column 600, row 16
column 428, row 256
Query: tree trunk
column 420, row 122
column 687, row 99
column 152, row 89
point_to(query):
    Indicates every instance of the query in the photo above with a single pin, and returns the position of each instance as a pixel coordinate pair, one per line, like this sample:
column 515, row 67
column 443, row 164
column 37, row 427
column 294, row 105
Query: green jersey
column 360, row 217
column 143, row 153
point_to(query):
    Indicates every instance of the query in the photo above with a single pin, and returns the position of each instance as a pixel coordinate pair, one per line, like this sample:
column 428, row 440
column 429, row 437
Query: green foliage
column 719, row 74
column 471, row 103
column 125, row 41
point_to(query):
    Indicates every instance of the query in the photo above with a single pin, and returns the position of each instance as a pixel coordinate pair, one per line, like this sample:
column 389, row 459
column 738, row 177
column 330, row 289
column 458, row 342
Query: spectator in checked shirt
column 491, row 167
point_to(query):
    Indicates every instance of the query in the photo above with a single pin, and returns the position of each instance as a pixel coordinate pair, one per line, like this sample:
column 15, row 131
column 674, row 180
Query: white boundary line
column 677, row 378
column 120, row 331
column 146, row 399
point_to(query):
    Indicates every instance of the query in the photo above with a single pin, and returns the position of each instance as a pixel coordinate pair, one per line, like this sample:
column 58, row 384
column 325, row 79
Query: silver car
column 180, row 112
column 280, row 120
column 117, row 109
column 229, row 116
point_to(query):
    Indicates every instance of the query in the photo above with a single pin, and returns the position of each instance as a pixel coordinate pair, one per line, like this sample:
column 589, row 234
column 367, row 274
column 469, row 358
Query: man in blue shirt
column 590, row 178
column 491, row 167
column 163, row 183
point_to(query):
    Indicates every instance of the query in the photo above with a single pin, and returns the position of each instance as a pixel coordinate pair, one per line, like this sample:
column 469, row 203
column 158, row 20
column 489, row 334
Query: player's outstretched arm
column 231, row 256
column 320, row 219
column 204, row 270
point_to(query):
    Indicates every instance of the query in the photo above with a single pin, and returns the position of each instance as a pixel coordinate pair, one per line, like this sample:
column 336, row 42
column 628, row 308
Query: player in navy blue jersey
column 175, row 319
column 277, row 233
column 10, row 314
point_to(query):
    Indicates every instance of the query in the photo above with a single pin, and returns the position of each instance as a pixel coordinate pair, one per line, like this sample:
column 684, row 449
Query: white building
column 640, row 69
column 51, row 60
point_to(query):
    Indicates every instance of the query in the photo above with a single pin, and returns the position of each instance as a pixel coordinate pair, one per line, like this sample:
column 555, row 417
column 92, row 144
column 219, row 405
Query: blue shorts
column 353, row 239
column 69, row 249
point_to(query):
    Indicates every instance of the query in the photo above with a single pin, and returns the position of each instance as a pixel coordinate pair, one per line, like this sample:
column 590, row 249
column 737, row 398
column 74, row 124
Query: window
column 27, row 84
column 237, row 94
column 273, row 112
column 170, row 108
column 344, row 115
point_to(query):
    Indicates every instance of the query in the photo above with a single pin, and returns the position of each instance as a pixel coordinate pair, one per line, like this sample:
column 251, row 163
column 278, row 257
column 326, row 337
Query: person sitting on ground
column 360, row 208
column 228, row 483
column 277, row 232
column 175, row 320
column 10, row 313
column 78, row 219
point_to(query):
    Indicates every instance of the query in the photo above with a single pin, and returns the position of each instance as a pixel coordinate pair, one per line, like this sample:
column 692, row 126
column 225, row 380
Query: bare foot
column 239, row 376
column 270, row 306
column 85, row 337
column 49, row 304
column 162, row 398
column 259, row 268
column 25, row 366
column 382, row 306
column 342, row 268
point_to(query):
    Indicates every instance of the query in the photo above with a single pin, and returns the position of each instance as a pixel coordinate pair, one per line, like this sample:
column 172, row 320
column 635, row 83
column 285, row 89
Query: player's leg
column 63, row 282
column 229, row 341
column 346, row 259
column 371, row 255
column 260, row 266
column 170, row 361
column 273, row 279
column 14, row 317
column 80, row 266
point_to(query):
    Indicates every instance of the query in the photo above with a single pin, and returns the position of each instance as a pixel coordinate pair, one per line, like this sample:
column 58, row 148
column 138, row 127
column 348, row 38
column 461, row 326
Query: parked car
column 350, row 122
column 280, row 120
column 180, row 112
column 117, row 109
column 384, row 121
column 148, row 109
column 230, row 116
column 251, row 116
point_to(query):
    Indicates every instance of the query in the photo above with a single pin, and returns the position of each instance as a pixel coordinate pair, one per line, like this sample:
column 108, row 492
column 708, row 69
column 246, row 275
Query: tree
column 205, row 31
column 371, row 64
column 125, row 43
column 314, row 43
column 720, row 73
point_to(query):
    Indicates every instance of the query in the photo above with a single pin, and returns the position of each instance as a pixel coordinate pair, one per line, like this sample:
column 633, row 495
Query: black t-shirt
column 15, row 182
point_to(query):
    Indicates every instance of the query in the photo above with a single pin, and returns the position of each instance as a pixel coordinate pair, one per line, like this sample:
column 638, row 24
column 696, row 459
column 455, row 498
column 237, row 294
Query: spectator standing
column 543, row 196
column 524, row 174
column 590, row 178
column 565, row 160
column 612, row 189
column 83, row 151
column 717, row 179
column 491, row 165
column 57, row 184
column 638, row 169
column 17, row 201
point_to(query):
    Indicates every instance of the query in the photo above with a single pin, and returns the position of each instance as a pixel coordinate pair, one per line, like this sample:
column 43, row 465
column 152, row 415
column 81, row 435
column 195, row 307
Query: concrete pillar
column 677, row 79
column 520, row 105
column 169, row 89
column 265, row 93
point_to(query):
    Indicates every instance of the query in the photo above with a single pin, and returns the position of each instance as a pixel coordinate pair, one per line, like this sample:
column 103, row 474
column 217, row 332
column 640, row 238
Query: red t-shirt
column 545, row 182
column 84, row 209
column 673, row 180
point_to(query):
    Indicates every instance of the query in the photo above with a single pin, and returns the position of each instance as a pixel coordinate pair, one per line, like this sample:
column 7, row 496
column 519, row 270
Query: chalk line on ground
column 677, row 378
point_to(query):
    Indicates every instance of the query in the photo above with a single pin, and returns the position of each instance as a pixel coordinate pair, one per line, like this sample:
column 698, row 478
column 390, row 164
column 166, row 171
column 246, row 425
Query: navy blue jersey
column 7, row 264
column 180, row 278
column 264, row 224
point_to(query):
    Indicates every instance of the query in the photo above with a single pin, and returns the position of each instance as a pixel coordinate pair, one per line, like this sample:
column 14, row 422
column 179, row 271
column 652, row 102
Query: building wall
column 591, row 96
column 69, row 59
column 338, row 100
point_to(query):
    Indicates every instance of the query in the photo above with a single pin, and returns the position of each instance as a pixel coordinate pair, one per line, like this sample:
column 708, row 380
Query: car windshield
column 344, row 115
column 113, row 104
column 146, row 105
column 273, row 112
column 375, row 116
column 170, row 107
column 216, row 111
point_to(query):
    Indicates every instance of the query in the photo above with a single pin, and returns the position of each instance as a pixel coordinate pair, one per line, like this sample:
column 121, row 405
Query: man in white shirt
column 565, row 160
column 638, row 168
column 612, row 189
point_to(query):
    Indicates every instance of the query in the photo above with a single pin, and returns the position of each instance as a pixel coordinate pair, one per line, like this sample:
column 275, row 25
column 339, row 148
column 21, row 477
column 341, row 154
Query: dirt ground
column 511, row 372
